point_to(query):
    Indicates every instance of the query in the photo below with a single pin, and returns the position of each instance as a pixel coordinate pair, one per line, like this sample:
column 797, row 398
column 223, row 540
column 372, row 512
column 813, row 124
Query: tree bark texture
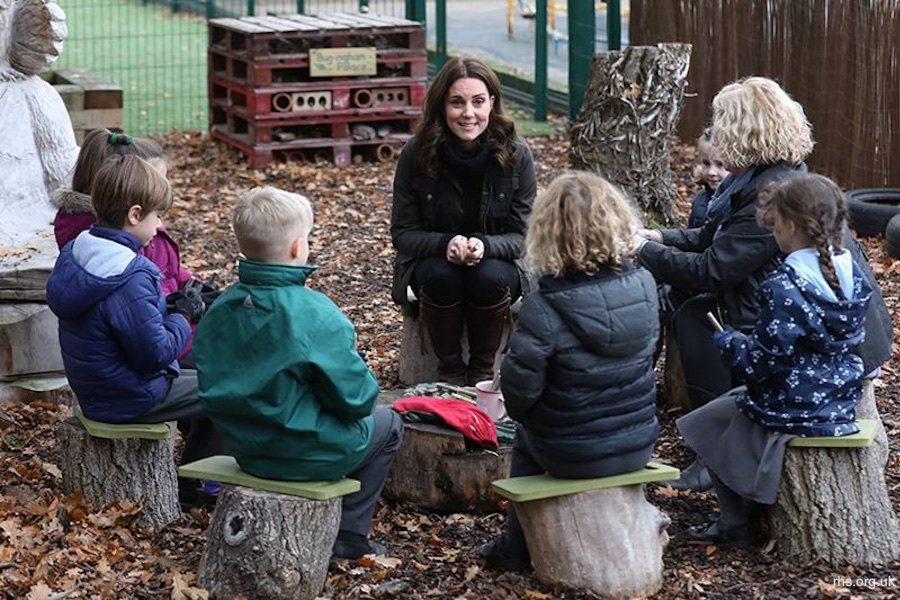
column 53, row 389
column 127, row 469
column 434, row 469
column 29, row 340
column 674, row 386
column 262, row 545
column 833, row 503
column 609, row 541
column 631, row 107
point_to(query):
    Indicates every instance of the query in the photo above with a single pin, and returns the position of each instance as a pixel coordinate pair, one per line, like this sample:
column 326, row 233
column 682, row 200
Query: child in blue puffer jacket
column 119, row 343
column 800, row 364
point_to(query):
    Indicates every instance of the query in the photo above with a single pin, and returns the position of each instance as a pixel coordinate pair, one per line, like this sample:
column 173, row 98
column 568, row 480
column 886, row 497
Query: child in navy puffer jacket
column 800, row 364
column 118, row 342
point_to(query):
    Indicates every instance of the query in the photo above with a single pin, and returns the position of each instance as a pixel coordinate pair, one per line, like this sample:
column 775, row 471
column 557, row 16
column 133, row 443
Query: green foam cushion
column 861, row 439
column 538, row 487
column 226, row 470
column 120, row 431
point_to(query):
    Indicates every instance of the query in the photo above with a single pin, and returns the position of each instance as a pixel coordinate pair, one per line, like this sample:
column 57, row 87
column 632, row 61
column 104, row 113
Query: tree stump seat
column 434, row 469
column 597, row 534
column 110, row 462
column 268, row 538
column 833, row 504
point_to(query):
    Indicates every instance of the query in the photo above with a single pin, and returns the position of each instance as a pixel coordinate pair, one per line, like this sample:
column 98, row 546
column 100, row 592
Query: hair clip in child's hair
column 125, row 140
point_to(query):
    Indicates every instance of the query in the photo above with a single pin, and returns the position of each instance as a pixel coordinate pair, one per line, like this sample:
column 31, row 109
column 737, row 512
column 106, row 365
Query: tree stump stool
column 50, row 387
column 434, row 469
column 268, row 539
column 674, row 386
column 110, row 462
column 596, row 534
column 833, row 503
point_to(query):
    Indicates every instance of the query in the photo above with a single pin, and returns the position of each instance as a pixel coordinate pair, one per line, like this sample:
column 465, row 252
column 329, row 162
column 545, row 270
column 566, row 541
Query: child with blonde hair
column 119, row 343
column 799, row 362
column 280, row 373
column 579, row 373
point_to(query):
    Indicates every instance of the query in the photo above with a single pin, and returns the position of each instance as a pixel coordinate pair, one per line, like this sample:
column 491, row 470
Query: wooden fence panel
column 839, row 58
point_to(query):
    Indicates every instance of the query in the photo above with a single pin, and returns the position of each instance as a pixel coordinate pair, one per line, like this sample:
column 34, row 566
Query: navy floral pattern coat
column 800, row 364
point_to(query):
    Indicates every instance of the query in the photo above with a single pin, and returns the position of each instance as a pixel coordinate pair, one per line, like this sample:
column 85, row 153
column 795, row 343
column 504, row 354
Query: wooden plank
column 98, row 92
column 226, row 470
column 300, row 22
column 319, row 23
column 861, row 439
column 72, row 95
column 239, row 25
column 539, row 487
column 274, row 23
column 98, row 117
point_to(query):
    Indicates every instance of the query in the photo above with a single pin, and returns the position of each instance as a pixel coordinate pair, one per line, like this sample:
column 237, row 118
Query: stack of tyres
column 338, row 86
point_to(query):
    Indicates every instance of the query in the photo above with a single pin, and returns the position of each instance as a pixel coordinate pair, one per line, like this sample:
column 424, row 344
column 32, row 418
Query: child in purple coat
column 76, row 212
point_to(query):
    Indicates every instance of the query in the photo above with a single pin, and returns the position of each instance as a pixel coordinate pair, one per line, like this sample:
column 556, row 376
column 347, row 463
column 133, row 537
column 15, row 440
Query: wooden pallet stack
column 337, row 86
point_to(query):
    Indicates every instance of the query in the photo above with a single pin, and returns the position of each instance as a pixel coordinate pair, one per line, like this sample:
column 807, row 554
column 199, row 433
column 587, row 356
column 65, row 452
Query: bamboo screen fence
column 839, row 58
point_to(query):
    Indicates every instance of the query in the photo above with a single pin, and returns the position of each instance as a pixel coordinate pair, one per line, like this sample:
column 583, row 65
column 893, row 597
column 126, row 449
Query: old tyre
column 871, row 208
column 892, row 237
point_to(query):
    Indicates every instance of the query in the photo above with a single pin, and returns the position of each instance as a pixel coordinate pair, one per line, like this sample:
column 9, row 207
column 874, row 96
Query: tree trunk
column 609, row 541
column 631, row 107
column 29, row 340
column 434, row 469
column 50, row 388
column 263, row 545
column 833, row 503
column 110, row 470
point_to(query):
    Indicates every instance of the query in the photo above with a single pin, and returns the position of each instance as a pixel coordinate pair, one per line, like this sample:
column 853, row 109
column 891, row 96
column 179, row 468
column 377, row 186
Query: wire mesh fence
column 156, row 50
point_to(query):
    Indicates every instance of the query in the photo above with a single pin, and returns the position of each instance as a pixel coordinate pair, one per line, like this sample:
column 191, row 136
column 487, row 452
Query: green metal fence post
column 613, row 24
column 582, row 29
column 440, row 32
column 301, row 6
column 210, row 9
column 251, row 7
column 540, row 61
column 363, row 6
column 415, row 10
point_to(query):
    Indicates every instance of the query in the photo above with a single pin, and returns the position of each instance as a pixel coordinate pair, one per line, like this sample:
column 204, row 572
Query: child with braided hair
column 800, row 364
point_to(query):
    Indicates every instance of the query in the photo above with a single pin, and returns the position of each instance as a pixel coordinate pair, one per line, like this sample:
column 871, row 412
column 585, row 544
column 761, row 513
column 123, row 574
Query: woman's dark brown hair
column 100, row 144
column 432, row 129
column 816, row 205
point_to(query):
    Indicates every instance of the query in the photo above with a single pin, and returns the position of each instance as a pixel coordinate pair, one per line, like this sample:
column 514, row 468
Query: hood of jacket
column 607, row 319
column 70, row 201
column 836, row 323
column 91, row 267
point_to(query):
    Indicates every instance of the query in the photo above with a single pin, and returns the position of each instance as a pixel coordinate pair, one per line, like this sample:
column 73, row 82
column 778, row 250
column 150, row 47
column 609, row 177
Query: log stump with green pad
column 833, row 504
column 268, row 538
column 110, row 462
column 596, row 534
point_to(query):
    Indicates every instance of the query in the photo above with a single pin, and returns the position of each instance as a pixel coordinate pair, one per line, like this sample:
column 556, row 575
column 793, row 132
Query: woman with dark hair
column 463, row 192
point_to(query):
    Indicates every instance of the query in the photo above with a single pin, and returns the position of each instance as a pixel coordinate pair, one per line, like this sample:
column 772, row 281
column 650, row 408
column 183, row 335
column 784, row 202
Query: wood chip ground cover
column 54, row 546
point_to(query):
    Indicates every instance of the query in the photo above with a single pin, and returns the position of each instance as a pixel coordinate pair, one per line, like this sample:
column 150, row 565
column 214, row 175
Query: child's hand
column 188, row 302
column 720, row 338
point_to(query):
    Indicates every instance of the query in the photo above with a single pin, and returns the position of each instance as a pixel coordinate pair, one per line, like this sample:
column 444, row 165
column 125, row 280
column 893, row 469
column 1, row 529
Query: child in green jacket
column 280, row 375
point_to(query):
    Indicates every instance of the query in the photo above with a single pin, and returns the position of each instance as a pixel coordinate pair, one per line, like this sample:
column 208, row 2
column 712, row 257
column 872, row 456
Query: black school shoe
column 503, row 556
column 354, row 545
column 739, row 536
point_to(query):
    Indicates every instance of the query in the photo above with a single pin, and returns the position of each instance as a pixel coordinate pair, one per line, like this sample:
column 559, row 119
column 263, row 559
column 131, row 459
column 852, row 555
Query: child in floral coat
column 800, row 364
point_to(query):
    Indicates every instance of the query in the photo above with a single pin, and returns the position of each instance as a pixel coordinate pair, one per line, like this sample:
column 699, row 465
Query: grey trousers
column 201, row 439
column 357, row 509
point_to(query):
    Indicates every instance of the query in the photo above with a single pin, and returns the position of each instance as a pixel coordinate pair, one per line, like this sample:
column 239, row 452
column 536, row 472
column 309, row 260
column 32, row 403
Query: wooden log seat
column 434, row 469
column 111, row 462
column 268, row 539
column 833, row 504
column 596, row 534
